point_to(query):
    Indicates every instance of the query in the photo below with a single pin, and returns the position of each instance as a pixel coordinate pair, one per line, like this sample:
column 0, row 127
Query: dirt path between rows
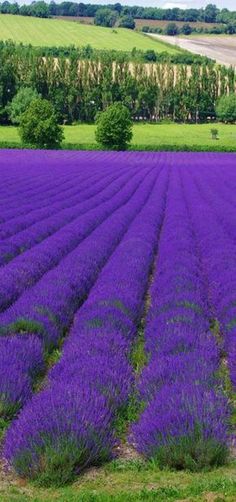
column 220, row 48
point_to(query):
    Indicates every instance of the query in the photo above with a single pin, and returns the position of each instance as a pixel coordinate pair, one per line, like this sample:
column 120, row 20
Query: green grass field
column 132, row 482
column 151, row 136
column 54, row 32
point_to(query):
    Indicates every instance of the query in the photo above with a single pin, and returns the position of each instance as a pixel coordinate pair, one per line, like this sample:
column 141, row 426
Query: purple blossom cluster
column 183, row 413
column 212, row 215
column 21, row 362
column 94, row 365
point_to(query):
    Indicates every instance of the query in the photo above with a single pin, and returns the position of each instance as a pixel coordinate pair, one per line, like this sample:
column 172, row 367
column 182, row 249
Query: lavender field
column 105, row 255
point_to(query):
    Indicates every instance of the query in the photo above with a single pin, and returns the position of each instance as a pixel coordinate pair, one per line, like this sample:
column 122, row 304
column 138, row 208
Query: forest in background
column 211, row 14
column 80, row 88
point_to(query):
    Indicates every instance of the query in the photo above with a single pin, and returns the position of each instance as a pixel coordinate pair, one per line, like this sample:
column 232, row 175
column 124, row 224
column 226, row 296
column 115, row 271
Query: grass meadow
column 55, row 32
column 145, row 136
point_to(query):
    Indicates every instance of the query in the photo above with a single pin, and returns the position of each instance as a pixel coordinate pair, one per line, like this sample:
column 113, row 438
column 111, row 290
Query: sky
column 184, row 4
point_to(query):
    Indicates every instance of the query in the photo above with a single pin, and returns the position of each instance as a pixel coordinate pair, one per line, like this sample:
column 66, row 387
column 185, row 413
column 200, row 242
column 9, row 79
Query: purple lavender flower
column 60, row 432
column 185, row 425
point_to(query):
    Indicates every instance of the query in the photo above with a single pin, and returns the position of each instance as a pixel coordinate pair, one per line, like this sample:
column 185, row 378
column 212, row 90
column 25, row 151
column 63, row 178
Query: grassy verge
column 133, row 481
column 176, row 137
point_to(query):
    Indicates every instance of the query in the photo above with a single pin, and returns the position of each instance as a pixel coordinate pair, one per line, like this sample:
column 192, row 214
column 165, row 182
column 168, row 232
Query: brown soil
column 139, row 22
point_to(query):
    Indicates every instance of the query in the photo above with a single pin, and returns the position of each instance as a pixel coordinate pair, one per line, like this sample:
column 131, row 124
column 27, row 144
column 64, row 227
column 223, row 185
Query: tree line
column 88, row 52
column 173, row 29
column 78, row 88
column 209, row 14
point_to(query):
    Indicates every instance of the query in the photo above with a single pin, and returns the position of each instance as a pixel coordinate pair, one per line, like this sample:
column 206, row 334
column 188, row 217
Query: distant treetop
column 211, row 14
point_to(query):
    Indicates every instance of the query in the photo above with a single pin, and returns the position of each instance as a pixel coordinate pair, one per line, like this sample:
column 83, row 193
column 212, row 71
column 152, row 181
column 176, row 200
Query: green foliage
column 211, row 14
column 20, row 103
column 171, row 29
column 150, row 56
column 186, row 29
column 7, row 410
column 4, row 423
column 7, row 86
column 58, row 462
column 226, row 108
column 127, row 22
column 192, row 453
column 39, row 9
column 38, row 125
column 214, row 133
column 105, row 17
column 114, row 127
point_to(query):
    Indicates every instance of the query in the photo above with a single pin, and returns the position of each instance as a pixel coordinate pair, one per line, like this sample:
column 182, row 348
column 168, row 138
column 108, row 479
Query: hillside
column 54, row 32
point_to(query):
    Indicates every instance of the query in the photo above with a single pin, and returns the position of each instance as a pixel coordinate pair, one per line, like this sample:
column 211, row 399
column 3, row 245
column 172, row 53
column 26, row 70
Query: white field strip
column 219, row 47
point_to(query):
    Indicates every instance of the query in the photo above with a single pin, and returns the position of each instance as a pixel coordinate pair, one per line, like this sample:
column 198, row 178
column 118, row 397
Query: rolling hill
column 54, row 32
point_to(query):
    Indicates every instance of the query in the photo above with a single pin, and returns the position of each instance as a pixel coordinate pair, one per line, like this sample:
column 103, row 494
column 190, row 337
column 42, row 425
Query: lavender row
column 184, row 424
column 24, row 240
column 80, row 171
column 71, row 196
column 42, row 172
column 38, row 191
column 56, row 173
column 220, row 199
column 48, row 309
column 26, row 269
column 22, row 215
column 93, row 379
column 218, row 247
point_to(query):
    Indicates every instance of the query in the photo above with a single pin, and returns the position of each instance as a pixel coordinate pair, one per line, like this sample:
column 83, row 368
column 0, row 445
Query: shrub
column 53, row 448
column 184, row 427
column 226, row 108
column 21, row 103
column 127, row 22
column 186, row 29
column 171, row 29
column 38, row 125
column 214, row 133
column 114, row 127
column 150, row 55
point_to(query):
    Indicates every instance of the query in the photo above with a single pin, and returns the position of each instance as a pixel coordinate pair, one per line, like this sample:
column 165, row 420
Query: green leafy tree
column 171, row 29
column 186, row 29
column 39, row 9
column 114, row 127
column 20, row 103
column 150, row 55
column 7, row 87
column 127, row 22
column 210, row 13
column 39, row 127
column 226, row 108
column 106, row 17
